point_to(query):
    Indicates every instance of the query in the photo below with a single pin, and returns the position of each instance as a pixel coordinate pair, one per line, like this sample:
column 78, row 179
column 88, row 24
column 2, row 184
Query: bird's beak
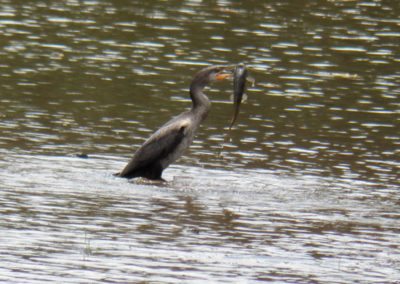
column 224, row 74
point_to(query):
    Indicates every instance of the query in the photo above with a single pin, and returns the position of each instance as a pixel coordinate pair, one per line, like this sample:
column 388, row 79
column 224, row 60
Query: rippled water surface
column 306, row 190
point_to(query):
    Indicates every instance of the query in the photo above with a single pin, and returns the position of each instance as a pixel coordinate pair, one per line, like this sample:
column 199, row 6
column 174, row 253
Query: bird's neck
column 200, row 101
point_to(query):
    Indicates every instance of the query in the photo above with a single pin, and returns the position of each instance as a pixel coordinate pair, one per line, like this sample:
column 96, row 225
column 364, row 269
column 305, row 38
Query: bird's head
column 213, row 73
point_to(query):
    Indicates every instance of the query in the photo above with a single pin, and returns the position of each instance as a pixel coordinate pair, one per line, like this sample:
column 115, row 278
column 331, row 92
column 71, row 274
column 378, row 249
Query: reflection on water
column 310, row 175
column 73, row 219
column 81, row 75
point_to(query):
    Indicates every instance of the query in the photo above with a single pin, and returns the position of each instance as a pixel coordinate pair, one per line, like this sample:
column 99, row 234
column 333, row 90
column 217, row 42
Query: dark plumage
column 169, row 142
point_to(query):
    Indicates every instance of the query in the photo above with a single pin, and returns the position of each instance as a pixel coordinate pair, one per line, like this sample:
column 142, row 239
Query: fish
column 240, row 77
column 239, row 86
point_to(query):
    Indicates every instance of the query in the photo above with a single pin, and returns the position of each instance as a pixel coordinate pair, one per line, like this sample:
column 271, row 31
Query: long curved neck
column 201, row 103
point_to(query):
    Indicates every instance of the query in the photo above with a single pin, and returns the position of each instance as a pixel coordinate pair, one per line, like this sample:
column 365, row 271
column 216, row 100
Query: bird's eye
column 213, row 73
column 216, row 71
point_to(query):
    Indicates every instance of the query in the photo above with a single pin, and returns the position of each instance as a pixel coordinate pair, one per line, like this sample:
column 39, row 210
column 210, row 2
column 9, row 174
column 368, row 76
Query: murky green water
column 306, row 190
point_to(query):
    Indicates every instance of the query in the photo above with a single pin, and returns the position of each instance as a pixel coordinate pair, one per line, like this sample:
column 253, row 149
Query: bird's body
column 168, row 143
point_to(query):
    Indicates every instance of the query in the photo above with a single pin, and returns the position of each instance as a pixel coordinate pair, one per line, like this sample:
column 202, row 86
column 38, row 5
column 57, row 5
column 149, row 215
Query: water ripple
column 99, row 77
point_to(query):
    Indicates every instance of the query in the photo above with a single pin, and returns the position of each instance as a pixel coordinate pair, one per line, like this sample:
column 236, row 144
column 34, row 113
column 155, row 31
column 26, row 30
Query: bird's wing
column 157, row 147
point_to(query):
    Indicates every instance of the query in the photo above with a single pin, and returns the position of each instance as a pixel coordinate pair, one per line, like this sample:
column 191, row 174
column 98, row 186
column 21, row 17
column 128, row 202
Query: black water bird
column 169, row 142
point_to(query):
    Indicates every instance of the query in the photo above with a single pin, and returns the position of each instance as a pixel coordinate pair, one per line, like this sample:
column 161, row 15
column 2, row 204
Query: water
column 78, row 223
column 306, row 190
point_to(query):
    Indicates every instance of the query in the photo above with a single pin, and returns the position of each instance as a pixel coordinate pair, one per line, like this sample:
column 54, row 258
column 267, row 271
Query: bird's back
column 162, row 148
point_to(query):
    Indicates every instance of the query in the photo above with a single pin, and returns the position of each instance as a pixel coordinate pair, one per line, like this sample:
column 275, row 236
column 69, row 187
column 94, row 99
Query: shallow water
column 306, row 190
column 79, row 223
